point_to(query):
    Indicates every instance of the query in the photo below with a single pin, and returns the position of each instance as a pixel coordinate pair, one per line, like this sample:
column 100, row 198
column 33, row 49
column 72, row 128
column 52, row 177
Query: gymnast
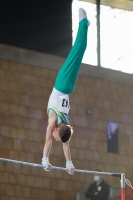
column 58, row 105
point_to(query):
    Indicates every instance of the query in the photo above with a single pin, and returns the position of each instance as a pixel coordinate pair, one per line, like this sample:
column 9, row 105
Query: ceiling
column 122, row 4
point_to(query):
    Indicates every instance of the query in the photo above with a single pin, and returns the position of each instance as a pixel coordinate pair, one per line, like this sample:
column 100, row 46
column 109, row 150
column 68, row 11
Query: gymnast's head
column 63, row 132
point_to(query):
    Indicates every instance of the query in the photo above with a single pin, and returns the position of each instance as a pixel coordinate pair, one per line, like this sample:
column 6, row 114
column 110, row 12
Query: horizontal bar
column 59, row 168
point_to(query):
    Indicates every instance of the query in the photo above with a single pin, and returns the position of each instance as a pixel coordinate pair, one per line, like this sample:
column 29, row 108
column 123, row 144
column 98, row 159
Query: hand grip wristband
column 45, row 160
column 68, row 164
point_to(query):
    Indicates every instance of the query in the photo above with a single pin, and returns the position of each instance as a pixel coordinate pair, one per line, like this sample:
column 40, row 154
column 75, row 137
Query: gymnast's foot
column 82, row 15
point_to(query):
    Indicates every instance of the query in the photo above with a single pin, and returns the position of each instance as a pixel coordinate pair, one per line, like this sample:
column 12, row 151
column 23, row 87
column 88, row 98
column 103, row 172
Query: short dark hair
column 64, row 132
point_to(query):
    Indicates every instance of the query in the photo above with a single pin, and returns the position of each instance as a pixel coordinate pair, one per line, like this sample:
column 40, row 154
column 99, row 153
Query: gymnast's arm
column 50, row 128
column 66, row 149
column 67, row 153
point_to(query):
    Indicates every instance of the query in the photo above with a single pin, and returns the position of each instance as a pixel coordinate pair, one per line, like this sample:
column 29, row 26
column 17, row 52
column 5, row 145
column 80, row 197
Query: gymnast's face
column 56, row 134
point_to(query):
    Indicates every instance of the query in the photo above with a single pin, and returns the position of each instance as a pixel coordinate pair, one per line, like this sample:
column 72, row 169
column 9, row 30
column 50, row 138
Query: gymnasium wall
column 26, row 80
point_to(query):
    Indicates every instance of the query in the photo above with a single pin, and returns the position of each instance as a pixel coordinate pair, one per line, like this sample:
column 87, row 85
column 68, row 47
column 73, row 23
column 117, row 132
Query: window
column 116, row 36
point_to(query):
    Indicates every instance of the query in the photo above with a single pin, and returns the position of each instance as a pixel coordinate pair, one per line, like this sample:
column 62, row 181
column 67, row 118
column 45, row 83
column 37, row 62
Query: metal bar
column 98, row 33
column 122, row 186
column 58, row 168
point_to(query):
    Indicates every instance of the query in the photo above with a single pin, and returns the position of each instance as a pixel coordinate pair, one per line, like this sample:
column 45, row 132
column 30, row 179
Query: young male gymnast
column 58, row 105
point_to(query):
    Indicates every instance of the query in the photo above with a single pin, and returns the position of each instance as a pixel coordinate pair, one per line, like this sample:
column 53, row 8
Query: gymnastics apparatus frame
column 120, row 175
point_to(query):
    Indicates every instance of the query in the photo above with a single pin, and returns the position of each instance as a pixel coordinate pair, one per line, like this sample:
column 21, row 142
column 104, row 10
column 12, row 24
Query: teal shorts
column 67, row 75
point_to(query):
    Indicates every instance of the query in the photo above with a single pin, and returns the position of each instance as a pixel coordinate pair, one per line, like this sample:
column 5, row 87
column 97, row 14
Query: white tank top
column 59, row 103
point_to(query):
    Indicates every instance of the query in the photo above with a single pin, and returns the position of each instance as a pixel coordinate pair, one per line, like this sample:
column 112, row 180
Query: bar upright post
column 122, row 186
